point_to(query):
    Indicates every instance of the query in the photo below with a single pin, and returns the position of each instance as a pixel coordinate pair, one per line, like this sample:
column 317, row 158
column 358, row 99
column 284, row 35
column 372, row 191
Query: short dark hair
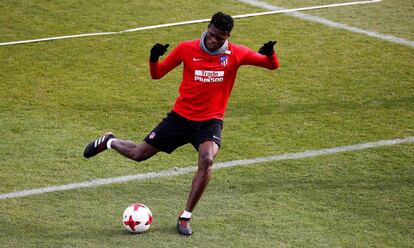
column 222, row 21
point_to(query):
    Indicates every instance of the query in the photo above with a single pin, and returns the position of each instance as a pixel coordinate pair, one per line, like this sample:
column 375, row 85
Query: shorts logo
column 208, row 76
column 152, row 135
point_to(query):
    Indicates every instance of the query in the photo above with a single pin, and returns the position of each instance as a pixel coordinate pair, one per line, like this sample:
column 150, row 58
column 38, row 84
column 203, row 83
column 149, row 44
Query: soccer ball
column 137, row 218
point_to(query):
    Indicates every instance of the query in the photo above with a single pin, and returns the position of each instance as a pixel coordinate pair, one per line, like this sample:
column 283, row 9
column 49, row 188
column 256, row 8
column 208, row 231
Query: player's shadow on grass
column 153, row 231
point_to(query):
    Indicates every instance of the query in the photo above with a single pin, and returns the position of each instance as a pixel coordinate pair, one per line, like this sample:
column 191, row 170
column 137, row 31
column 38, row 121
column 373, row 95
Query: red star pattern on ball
column 131, row 223
column 137, row 206
column 149, row 222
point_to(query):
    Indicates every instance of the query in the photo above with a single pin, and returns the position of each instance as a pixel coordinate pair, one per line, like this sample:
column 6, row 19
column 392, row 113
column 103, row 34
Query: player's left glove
column 267, row 48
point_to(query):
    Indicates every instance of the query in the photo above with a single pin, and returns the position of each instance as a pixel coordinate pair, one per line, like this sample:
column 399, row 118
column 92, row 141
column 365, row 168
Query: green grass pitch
column 334, row 88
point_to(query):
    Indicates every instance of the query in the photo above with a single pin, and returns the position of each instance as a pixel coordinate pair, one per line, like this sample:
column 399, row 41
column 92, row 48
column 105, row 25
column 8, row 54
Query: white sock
column 108, row 144
column 186, row 214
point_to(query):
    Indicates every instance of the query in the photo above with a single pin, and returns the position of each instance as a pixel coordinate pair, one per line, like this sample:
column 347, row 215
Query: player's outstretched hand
column 267, row 48
column 157, row 51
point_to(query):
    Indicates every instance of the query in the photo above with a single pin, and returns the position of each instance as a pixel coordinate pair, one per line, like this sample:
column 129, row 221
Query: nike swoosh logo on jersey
column 196, row 59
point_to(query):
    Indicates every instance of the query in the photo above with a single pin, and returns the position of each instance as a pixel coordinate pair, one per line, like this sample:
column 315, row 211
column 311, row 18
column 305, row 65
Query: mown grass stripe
column 179, row 171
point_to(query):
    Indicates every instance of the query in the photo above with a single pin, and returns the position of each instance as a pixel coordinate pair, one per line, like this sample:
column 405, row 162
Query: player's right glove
column 157, row 51
column 267, row 48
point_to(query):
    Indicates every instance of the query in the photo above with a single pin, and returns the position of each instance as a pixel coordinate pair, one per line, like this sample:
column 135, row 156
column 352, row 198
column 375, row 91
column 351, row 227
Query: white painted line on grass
column 56, row 38
column 331, row 23
column 275, row 11
column 272, row 12
column 185, row 170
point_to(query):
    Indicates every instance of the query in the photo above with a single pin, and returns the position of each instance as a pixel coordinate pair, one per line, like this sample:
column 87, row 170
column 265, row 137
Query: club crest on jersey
column 224, row 60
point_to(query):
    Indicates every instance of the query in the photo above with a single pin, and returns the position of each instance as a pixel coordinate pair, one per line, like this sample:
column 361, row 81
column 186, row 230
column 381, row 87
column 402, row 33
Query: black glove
column 267, row 48
column 158, row 50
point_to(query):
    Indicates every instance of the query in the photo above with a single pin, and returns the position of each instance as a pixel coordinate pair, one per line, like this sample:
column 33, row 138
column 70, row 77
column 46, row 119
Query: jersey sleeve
column 249, row 57
column 160, row 68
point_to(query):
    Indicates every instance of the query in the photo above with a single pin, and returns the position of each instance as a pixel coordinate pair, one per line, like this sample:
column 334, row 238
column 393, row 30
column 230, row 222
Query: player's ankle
column 185, row 215
column 109, row 143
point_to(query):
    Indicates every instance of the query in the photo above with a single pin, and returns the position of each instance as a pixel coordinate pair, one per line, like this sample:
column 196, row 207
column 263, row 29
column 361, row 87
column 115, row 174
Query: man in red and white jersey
column 210, row 67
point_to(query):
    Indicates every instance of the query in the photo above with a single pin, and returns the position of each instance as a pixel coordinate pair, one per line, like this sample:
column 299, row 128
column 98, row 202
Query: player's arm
column 158, row 69
column 266, row 57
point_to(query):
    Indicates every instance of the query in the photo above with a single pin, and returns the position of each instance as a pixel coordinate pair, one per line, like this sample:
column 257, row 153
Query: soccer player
column 210, row 67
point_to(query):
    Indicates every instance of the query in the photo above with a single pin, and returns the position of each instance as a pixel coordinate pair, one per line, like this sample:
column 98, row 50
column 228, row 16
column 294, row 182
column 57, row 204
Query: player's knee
column 206, row 163
column 139, row 155
column 143, row 152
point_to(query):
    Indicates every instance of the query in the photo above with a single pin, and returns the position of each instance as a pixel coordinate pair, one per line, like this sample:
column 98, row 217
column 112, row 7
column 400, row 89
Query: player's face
column 215, row 38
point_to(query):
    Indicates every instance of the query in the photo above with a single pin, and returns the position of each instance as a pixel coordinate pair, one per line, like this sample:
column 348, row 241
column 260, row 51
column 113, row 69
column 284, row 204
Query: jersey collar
column 221, row 50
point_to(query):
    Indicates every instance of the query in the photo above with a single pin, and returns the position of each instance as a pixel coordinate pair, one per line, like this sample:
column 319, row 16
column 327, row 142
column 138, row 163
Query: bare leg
column 137, row 152
column 206, row 154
